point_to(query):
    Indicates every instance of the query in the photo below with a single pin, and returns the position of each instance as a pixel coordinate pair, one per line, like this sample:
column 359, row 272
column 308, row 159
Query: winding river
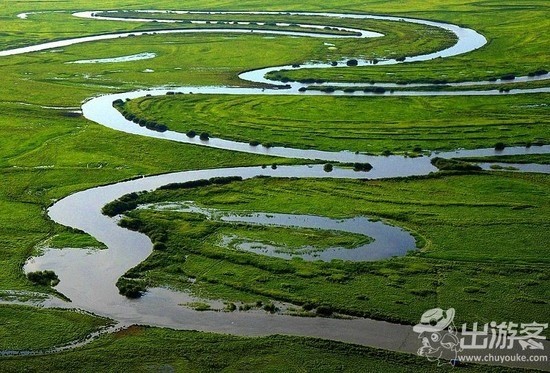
column 88, row 277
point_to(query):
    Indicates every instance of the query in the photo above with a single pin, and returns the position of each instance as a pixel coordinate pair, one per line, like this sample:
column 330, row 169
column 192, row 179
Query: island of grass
column 452, row 216
column 362, row 124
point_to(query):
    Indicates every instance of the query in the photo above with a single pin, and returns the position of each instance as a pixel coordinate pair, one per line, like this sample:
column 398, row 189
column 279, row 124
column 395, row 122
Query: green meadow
column 466, row 257
column 398, row 124
column 481, row 237
column 145, row 349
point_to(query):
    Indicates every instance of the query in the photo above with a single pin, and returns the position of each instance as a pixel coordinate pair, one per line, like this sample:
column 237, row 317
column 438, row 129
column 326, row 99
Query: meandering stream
column 88, row 277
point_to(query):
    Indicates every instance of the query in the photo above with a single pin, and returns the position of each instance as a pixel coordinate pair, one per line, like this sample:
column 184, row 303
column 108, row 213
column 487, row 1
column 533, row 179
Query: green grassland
column 29, row 328
column 515, row 46
column 371, row 124
column 468, row 259
column 141, row 349
column 480, row 234
column 181, row 60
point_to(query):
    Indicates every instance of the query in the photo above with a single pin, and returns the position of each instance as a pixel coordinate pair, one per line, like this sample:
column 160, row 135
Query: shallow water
column 133, row 57
column 388, row 240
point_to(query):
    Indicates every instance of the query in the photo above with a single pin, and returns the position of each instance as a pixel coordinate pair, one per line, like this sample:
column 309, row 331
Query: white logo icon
column 439, row 336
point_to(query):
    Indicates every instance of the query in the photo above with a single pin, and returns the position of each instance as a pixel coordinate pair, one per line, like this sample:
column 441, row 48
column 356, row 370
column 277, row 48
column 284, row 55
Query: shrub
column 362, row 167
column 125, row 203
column 191, row 134
column 499, row 146
column 222, row 180
column 254, row 143
column 230, row 307
column 352, row 62
column 45, row 278
column 129, row 223
column 308, row 306
column 201, row 182
column 117, row 207
column 270, row 307
column 159, row 246
column 328, row 167
column 324, row 310
column 453, row 165
column 130, row 288
column 186, row 185
column 204, row 136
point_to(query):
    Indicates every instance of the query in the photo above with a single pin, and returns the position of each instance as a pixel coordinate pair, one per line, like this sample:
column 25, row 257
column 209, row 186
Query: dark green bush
column 270, row 307
column 130, row 288
column 45, row 278
column 362, row 167
column 159, row 246
column 324, row 310
column 125, row 203
column 500, row 146
column 453, row 165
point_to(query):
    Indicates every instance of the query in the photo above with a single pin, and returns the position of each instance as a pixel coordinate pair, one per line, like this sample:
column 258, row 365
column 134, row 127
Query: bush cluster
column 130, row 288
column 46, row 278
column 454, row 165
column 125, row 203
column 202, row 182
column 149, row 124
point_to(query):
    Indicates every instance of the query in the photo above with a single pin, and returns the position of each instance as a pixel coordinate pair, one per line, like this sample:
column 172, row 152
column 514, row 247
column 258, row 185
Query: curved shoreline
column 92, row 276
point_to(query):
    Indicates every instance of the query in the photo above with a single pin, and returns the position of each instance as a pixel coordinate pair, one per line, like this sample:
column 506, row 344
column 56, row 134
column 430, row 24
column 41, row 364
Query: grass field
column 480, row 235
column 371, row 125
column 460, row 221
column 29, row 328
column 150, row 349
